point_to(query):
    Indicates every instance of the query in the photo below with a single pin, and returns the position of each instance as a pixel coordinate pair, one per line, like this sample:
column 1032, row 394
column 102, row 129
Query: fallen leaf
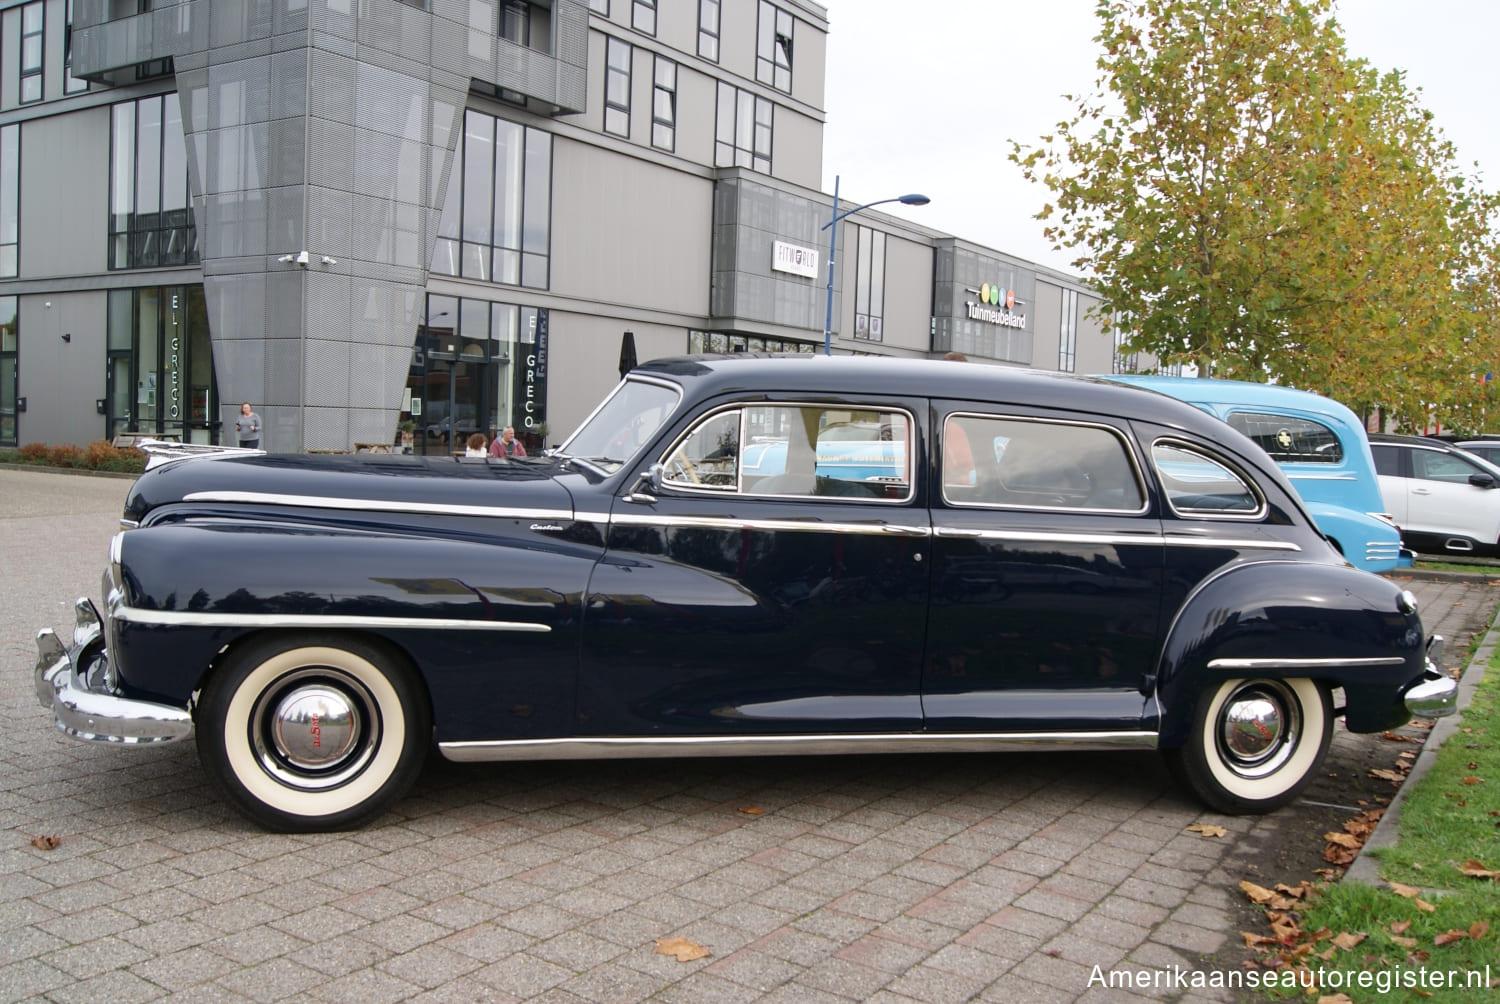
column 681, row 949
column 1335, row 999
column 1479, row 929
column 1404, row 942
column 1348, row 940
column 1449, row 937
column 1388, row 775
column 752, row 810
column 1471, row 779
column 1474, row 869
column 1257, row 893
column 1207, row 830
column 1423, row 905
column 45, row 843
column 1400, row 926
column 1400, row 739
column 1409, row 891
column 1256, row 940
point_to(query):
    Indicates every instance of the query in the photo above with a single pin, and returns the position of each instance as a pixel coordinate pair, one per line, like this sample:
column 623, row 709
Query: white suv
column 1444, row 499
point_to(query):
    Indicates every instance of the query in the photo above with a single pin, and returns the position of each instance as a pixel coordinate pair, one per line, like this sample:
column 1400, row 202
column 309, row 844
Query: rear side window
column 1290, row 440
column 1036, row 464
column 1387, row 460
column 1198, row 484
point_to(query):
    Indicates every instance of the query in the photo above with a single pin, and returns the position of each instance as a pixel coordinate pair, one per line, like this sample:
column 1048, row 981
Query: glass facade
column 664, row 105
column 721, row 342
column 496, row 221
column 617, row 88
column 476, row 366
column 33, row 21
column 9, row 346
column 773, row 47
column 150, row 211
column 743, row 132
column 159, row 375
column 869, row 285
column 708, row 29
column 1067, row 343
column 71, row 84
column 10, row 200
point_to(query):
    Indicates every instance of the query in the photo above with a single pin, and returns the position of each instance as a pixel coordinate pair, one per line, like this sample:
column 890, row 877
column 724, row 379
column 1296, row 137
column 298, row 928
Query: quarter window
column 708, row 29
column 617, row 89
column 773, row 48
column 1290, row 440
column 797, row 451
column 1195, row 483
column 743, row 135
column 993, row 461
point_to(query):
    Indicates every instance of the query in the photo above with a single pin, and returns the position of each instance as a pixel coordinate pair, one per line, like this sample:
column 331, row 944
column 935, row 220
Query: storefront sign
column 796, row 260
column 531, row 376
column 995, row 306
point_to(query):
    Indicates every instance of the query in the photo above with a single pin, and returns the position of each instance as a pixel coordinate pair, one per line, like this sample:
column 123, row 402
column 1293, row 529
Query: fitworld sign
column 996, row 306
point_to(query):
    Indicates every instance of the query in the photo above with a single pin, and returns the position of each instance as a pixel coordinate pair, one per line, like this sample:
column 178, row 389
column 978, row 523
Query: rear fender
column 1284, row 620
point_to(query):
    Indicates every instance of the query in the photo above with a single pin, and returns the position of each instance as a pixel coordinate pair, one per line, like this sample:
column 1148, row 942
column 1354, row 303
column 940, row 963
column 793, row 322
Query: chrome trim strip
column 377, row 505
column 591, row 517
column 1256, row 665
column 803, row 525
column 601, row 747
column 1318, row 477
column 1152, row 539
column 189, row 618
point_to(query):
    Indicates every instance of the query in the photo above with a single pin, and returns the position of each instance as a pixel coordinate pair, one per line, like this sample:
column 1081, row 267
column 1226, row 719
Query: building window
column 617, row 88
column 708, row 29
column 664, row 105
column 496, row 222
column 599, row 7
column 10, row 200
column 643, row 16
column 869, row 285
column 71, row 84
column 32, row 22
column 743, row 136
column 159, row 375
column 515, row 22
column 1067, row 344
column 9, row 340
column 773, row 48
column 720, row 342
column 150, row 212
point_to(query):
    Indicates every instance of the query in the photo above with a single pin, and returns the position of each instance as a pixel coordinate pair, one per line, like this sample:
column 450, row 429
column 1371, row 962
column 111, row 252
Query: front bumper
column 79, row 686
column 1436, row 695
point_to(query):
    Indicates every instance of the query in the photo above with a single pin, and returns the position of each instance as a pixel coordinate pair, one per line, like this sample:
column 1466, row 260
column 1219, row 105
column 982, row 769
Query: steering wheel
column 682, row 465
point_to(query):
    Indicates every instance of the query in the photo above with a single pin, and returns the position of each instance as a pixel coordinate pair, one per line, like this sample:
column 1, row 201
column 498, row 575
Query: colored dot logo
column 997, row 296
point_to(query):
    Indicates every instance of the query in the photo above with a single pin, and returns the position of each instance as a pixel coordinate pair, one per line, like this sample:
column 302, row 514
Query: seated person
column 476, row 446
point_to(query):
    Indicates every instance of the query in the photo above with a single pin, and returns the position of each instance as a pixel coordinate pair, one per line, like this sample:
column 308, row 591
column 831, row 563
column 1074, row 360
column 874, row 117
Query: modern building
column 364, row 216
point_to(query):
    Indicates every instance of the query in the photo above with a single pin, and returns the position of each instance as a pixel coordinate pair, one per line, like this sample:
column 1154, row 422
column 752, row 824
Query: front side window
column 32, row 23
column 1197, row 484
column 708, row 29
column 1014, row 462
column 664, row 105
column 773, row 48
column 743, row 133
column 869, row 285
column 1288, row 439
column 496, row 221
column 1434, row 465
column 643, row 16
column 617, row 88
column 797, row 451
column 150, row 213
column 9, row 345
column 10, row 200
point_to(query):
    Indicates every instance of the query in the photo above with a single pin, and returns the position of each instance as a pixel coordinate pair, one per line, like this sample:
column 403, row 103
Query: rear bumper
column 1436, row 695
column 79, row 686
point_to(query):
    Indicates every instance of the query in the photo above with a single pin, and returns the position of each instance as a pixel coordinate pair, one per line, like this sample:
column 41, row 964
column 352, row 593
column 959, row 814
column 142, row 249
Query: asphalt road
column 895, row 878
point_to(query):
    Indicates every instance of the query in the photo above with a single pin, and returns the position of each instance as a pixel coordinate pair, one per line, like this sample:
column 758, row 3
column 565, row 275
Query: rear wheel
column 313, row 733
column 1255, row 743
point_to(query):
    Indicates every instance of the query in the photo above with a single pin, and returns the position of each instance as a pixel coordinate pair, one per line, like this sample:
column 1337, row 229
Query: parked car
column 1443, row 497
column 1126, row 573
column 1322, row 448
column 1487, row 448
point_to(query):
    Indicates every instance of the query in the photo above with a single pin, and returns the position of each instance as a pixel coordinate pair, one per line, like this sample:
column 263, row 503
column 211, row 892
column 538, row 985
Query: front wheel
column 313, row 733
column 1255, row 743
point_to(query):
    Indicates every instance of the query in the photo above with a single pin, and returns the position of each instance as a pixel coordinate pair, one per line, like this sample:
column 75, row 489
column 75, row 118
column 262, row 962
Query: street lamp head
column 914, row 200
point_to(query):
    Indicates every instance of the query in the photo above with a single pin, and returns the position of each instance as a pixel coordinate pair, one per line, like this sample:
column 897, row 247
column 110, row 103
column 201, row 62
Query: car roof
column 1245, row 393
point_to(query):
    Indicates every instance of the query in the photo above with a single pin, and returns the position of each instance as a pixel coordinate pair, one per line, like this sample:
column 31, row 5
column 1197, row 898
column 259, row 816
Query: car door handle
column 1421, row 491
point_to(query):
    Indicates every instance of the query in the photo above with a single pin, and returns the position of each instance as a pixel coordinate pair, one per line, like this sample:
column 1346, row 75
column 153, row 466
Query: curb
column 1364, row 868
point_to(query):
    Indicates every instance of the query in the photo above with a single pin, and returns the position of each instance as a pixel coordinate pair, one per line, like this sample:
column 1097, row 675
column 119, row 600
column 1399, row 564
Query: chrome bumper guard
column 84, row 699
column 1437, row 695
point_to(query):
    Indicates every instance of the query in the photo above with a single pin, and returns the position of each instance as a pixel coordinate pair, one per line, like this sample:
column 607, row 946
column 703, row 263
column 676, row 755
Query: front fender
column 1282, row 620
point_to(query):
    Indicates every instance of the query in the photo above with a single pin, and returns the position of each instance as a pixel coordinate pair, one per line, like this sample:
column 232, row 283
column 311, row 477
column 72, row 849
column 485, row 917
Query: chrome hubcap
column 1258, row 728
column 315, row 729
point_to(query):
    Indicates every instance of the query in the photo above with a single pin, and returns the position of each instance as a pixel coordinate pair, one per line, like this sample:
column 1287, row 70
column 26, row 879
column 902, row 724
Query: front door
column 776, row 583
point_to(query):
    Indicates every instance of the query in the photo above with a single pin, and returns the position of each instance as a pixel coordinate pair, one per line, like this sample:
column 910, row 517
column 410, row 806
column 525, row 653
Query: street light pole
column 833, row 236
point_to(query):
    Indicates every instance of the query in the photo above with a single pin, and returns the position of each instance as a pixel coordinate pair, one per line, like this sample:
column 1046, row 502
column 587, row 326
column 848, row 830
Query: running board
column 641, row 747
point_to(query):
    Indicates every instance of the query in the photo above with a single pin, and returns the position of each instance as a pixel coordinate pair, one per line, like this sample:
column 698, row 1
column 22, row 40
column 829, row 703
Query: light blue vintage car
column 1320, row 445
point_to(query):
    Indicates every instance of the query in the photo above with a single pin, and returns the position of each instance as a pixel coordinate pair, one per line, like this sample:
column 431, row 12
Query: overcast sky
column 925, row 98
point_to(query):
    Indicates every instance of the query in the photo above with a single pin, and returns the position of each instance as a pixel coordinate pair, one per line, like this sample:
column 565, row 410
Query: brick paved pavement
column 921, row 878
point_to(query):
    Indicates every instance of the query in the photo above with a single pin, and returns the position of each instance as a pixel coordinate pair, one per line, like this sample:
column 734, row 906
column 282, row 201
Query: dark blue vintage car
column 1031, row 568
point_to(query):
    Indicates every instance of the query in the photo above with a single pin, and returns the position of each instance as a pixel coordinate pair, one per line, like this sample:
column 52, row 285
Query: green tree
column 1252, row 200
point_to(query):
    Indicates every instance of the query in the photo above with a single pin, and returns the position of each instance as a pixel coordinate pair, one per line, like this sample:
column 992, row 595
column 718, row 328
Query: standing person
column 507, row 445
column 247, row 428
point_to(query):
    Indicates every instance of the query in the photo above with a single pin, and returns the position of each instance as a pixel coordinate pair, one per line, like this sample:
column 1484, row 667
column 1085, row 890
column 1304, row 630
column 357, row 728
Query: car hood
column 393, row 483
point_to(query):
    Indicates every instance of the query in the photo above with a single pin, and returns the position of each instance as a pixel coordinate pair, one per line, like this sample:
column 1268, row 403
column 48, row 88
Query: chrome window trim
column 190, row 618
column 804, row 525
column 377, row 505
column 1151, row 539
column 1299, row 476
column 698, row 423
column 1262, row 506
column 656, row 381
column 1125, row 441
column 1259, row 665
column 603, row 747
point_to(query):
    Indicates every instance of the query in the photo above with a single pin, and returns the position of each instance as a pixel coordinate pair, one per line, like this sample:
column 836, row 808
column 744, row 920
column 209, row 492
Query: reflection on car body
column 652, row 590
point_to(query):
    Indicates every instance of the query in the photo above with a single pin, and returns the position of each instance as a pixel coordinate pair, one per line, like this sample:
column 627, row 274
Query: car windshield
column 626, row 420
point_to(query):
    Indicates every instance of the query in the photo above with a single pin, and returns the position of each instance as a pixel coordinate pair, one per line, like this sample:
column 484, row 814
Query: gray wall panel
column 65, row 194
column 60, row 380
